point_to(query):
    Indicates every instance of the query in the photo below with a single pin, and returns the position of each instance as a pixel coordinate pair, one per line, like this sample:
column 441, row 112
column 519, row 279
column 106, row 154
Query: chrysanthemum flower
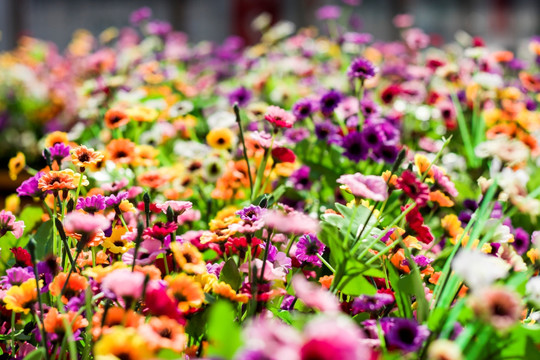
column 187, row 292
column 362, row 69
column 8, row 223
column 61, row 180
column 22, row 298
column 115, row 118
column 76, row 284
column 83, row 157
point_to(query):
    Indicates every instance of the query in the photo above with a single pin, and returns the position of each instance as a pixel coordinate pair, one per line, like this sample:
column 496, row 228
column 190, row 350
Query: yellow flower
column 207, row 281
column 220, row 138
column 123, row 344
column 16, row 165
column 115, row 243
column 188, row 258
column 185, row 290
column 226, row 291
column 55, row 138
column 21, row 298
column 126, row 206
column 13, row 203
column 142, row 114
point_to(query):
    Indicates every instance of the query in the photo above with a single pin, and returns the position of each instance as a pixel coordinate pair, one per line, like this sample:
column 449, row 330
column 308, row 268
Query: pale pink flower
column 271, row 339
column 124, row 283
column 314, row 296
column 189, row 216
column 264, row 139
column 292, row 223
column 270, row 272
column 178, row 207
column 85, row 224
column 368, row 187
column 8, row 223
column 279, row 117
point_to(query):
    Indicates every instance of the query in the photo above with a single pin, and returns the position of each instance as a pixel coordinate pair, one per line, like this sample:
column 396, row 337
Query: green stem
column 241, row 131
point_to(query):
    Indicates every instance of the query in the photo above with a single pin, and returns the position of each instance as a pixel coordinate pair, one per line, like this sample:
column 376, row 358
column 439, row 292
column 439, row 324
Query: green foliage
column 224, row 334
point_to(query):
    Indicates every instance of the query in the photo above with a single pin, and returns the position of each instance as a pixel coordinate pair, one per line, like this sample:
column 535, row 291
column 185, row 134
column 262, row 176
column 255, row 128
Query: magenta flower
column 279, row 117
column 368, row 187
column 115, row 200
column 307, row 249
column 328, row 12
column 8, row 223
column 91, row 204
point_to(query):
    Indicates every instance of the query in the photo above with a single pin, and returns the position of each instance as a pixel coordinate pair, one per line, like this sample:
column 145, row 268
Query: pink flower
column 8, row 223
column 368, row 187
column 279, row 117
column 270, row 272
column 148, row 252
column 264, row 139
column 124, row 283
column 189, row 216
column 85, row 224
column 271, row 339
column 178, row 207
column 292, row 223
column 314, row 296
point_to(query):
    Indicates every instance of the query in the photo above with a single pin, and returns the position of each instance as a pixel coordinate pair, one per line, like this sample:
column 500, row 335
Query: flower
column 121, row 151
column 415, row 222
column 367, row 303
column 178, row 207
column 329, row 102
column 355, row 147
column 8, row 223
column 85, row 224
column 368, row 187
column 241, row 96
column 413, row 187
column 21, row 298
column 15, row 276
column 279, row 117
column 362, row 69
column 521, row 241
column 292, row 223
column 188, row 258
column 283, row 155
column 30, row 186
column 60, row 180
column 404, row 334
column 477, row 269
column 124, row 284
column 302, row 109
column 83, row 157
column 500, row 306
column 328, row 12
column 307, row 249
column 113, row 200
column 115, row 118
column 16, row 165
column 314, row 296
column 187, row 292
column 442, row 349
column 59, row 152
column 76, row 284
column 163, row 333
column 533, row 290
column 220, row 138
column 91, row 204
column 118, row 242
column 122, row 343
column 54, row 321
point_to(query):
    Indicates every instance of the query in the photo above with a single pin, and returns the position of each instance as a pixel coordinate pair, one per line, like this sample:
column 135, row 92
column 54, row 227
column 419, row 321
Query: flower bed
column 308, row 197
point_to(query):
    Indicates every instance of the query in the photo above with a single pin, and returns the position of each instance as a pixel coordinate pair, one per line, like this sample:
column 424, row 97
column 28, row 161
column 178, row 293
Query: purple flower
column 325, row 130
column 470, row 204
column 288, row 302
column 158, row 28
column 366, row 303
column 355, row 148
column 300, row 178
column 296, row 135
column 215, row 269
column 47, row 270
column 59, row 151
column 91, row 204
column 369, row 108
column 422, row 260
column 329, row 102
column 250, row 213
column 521, row 241
column 115, row 200
column 357, row 38
column 240, row 96
column 307, row 249
column 140, row 15
column 368, row 187
column 302, row 109
column 30, row 187
column 362, row 69
column 16, row 276
column 404, row 334
column 373, row 136
column 328, row 12
column 386, row 153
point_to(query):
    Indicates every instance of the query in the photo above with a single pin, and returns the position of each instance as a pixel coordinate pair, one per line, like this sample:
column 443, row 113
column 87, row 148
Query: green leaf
column 522, row 343
column 284, row 315
column 403, row 300
column 44, row 239
column 31, row 215
column 412, row 284
column 7, row 242
column 209, row 255
column 230, row 274
column 224, row 335
column 168, row 354
column 357, row 285
column 37, row 354
column 196, row 326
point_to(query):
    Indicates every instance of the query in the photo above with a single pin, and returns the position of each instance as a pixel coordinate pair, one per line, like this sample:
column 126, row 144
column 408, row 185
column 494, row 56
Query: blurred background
column 500, row 22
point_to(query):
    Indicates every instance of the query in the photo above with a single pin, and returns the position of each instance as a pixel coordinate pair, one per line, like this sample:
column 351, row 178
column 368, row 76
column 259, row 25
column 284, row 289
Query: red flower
column 22, row 257
column 283, row 155
column 415, row 221
column 413, row 187
column 388, row 95
column 153, row 207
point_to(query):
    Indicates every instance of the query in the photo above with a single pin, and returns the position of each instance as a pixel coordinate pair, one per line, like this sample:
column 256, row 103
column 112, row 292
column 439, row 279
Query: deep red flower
column 415, row 223
column 160, row 230
column 22, row 257
column 283, row 155
column 388, row 95
column 239, row 246
column 413, row 187
column 153, row 207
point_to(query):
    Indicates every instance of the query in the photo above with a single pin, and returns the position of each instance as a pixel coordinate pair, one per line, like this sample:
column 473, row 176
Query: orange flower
column 225, row 290
column 60, row 180
column 187, row 292
column 96, row 239
column 164, row 333
column 21, row 298
column 54, row 321
column 85, row 258
column 434, row 278
column 153, row 179
column 188, row 258
column 114, row 316
column 16, row 165
column 217, row 236
column 56, row 137
column 440, row 198
column 121, row 151
column 152, row 271
column 114, row 118
column 501, row 129
column 397, row 261
column 502, row 56
column 529, row 81
column 83, row 157
column 76, row 284
column 422, row 163
column 326, row 281
column 393, row 180
column 452, row 225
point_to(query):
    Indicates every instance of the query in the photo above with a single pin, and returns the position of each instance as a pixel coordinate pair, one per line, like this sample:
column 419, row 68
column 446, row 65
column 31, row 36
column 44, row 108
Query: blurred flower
column 404, row 334
column 279, row 117
column 314, row 296
column 16, row 165
column 413, row 187
column 362, row 69
column 8, row 223
column 21, row 298
column 368, row 187
column 477, row 269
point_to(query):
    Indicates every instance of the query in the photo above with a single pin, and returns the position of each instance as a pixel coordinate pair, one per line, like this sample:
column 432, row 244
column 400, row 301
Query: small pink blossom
column 124, row 283
column 314, row 296
column 368, row 187
column 178, row 207
column 85, row 224
column 8, row 223
column 279, row 117
column 292, row 223
column 189, row 216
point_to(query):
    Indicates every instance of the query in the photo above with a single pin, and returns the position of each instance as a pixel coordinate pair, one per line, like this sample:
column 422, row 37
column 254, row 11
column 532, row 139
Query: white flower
column 488, row 80
column 191, row 149
column 181, row 108
column 221, row 119
column 477, row 269
column 502, row 232
column 533, row 290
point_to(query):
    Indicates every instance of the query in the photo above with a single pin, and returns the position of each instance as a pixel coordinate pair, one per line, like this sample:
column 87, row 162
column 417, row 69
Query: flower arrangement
column 309, row 197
